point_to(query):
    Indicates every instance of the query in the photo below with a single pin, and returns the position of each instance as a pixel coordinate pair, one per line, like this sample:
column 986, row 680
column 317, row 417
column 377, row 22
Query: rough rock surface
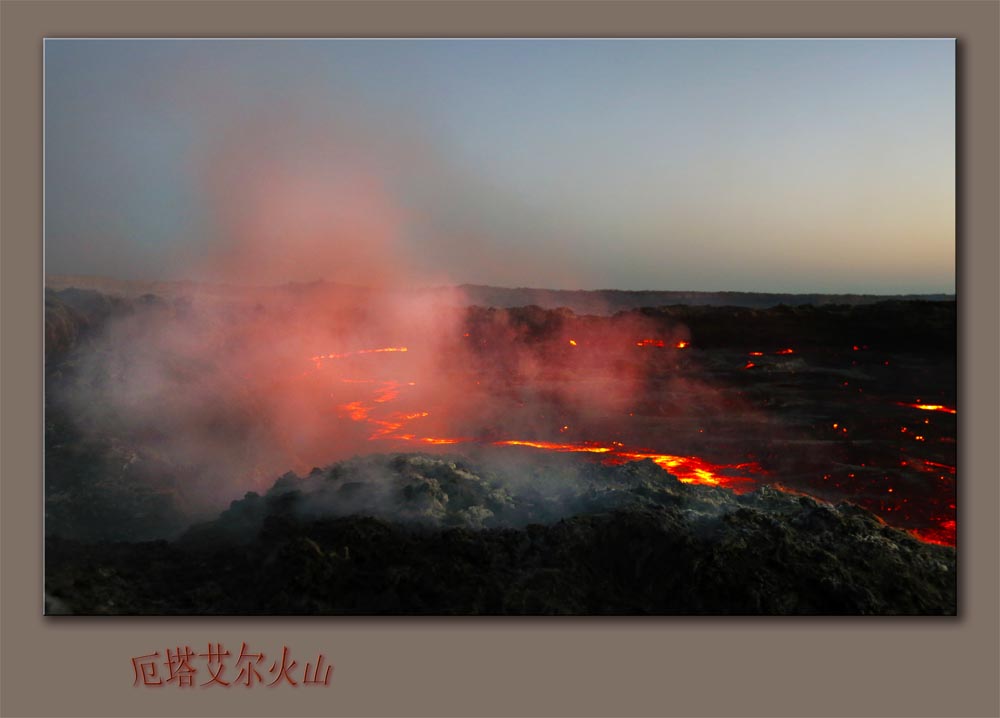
column 418, row 534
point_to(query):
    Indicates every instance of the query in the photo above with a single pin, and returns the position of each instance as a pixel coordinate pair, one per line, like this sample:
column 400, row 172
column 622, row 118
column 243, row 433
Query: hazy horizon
column 770, row 166
column 428, row 287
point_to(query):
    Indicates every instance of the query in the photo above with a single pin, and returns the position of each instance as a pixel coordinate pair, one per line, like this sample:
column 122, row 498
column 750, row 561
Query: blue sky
column 757, row 165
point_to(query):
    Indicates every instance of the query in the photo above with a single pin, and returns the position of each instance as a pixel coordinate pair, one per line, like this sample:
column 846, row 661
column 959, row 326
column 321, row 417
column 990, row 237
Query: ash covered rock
column 414, row 534
column 441, row 492
column 409, row 489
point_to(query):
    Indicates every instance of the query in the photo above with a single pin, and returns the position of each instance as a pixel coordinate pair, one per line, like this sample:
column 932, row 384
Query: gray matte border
column 509, row 666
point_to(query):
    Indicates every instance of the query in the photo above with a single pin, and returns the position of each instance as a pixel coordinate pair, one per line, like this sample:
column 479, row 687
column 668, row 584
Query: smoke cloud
column 270, row 370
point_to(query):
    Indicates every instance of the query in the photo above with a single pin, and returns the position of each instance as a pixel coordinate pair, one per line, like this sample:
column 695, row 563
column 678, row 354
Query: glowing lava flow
column 387, row 425
column 934, row 467
column 549, row 446
column 318, row 359
column 943, row 535
column 688, row 469
column 931, row 407
column 659, row 343
column 694, row 470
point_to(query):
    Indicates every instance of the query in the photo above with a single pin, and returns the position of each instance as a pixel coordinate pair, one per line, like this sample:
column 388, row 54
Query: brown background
column 466, row 666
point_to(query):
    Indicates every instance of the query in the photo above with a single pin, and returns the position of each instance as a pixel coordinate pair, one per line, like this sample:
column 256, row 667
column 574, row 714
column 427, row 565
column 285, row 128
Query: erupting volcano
column 499, row 353
column 446, row 415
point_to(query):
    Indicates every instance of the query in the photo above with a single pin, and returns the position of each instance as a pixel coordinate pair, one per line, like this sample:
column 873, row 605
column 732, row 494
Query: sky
column 744, row 165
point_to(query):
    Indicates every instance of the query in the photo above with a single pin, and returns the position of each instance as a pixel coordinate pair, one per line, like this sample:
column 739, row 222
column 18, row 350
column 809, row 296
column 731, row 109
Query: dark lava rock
column 416, row 534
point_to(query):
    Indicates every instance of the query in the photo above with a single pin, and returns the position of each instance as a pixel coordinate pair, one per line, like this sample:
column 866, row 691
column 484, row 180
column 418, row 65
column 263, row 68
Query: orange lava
column 550, row 446
column 944, row 534
column 318, row 359
column 688, row 469
column 387, row 425
column 931, row 407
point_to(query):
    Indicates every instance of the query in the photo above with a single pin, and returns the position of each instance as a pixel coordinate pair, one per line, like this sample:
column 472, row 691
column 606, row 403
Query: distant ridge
column 605, row 301
column 581, row 301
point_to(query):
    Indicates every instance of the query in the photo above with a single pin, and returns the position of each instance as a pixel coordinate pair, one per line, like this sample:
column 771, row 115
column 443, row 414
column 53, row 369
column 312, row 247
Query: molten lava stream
column 394, row 426
column 930, row 407
column 688, row 469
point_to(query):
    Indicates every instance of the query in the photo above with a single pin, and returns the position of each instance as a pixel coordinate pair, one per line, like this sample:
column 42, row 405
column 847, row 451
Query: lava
column 944, row 534
column 688, row 469
column 397, row 426
column 318, row 359
column 931, row 407
column 356, row 410
column 934, row 466
column 551, row 446
column 659, row 343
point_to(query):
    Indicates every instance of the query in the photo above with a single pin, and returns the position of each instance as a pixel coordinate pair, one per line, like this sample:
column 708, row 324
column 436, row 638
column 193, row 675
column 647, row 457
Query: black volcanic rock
column 609, row 301
column 637, row 542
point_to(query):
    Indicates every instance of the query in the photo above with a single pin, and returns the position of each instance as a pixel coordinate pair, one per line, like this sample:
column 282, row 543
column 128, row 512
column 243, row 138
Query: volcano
column 667, row 459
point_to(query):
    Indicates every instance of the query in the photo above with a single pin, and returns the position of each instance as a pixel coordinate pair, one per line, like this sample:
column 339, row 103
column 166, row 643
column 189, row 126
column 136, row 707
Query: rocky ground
column 418, row 534
column 488, row 532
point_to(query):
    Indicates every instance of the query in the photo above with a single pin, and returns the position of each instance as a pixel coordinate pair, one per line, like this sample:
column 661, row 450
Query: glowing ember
column 933, row 466
column 650, row 343
column 785, row 351
column 682, row 345
column 749, row 365
column 756, row 354
column 572, row 342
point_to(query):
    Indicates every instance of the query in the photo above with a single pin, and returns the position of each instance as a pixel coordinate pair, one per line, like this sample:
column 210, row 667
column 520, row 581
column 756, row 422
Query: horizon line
column 294, row 282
